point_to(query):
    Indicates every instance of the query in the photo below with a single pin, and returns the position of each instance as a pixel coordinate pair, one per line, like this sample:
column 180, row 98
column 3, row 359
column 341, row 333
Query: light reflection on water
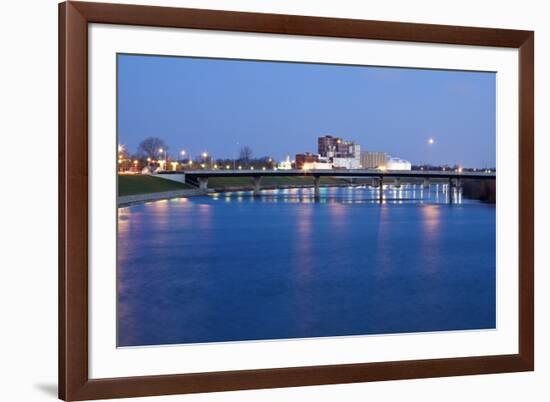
column 406, row 193
column 231, row 266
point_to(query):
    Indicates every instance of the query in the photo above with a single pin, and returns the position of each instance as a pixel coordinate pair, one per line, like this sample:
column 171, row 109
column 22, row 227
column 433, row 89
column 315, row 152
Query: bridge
column 200, row 178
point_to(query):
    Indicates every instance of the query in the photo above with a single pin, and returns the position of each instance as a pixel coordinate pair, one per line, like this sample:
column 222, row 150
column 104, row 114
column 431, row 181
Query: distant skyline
column 278, row 109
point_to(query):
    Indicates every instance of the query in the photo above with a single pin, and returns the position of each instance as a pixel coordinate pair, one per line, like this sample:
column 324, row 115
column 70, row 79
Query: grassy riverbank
column 144, row 184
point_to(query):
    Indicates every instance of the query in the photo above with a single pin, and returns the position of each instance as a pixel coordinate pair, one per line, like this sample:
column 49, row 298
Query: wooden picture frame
column 74, row 381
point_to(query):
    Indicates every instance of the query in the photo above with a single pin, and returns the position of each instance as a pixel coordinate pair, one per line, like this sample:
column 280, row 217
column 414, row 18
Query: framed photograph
column 259, row 200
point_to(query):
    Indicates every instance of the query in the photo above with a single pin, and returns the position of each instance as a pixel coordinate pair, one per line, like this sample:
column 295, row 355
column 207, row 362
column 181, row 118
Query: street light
column 120, row 159
column 205, row 156
column 235, row 160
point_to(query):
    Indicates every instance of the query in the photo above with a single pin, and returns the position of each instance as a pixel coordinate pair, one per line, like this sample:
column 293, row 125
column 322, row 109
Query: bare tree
column 151, row 146
column 245, row 154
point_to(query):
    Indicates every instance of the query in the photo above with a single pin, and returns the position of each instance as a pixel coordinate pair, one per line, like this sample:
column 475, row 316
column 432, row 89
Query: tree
column 245, row 154
column 151, row 146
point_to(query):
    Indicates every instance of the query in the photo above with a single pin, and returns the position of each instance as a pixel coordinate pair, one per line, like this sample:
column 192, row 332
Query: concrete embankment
column 138, row 198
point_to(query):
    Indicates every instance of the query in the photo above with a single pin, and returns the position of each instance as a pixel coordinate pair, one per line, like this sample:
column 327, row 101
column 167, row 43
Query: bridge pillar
column 203, row 183
column 397, row 183
column 381, row 189
column 451, row 190
column 426, row 183
column 375, row 183
column 257, row 182
column 316, row 180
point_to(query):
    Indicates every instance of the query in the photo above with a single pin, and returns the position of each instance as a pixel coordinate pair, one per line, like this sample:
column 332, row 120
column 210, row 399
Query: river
column 232, row 267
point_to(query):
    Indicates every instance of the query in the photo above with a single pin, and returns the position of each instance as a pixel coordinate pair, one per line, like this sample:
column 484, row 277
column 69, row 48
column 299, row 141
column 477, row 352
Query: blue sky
column 278, row 108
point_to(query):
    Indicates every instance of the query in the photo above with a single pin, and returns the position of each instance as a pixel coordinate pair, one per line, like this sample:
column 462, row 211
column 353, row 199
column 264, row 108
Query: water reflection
column 391, row 194
column 231, row 266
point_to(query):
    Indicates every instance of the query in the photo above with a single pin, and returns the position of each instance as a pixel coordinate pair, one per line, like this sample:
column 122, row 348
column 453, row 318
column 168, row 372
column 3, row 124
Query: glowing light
column 148, row 159
column 215, row 166
column 227, row 166
column 135, row 162
column 161, row 150
column 240, row 167
column 263, row 168
column 202, row 165
column 431, row 141
column 459, row 170
column 190, row 163
column 205, row 155
column 251, row 167
column 182, row 152
column 120, row 148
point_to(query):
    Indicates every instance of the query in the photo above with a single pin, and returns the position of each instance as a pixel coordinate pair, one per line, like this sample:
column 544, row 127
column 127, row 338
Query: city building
column 393, row 163
column 322, row 163
column 308, row 157
column 342, row 153
column 346, row 163
column 286, row 164
column 373, row 160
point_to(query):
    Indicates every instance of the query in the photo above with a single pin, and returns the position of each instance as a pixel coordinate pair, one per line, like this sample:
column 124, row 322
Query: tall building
column 335, row 147
column 342, row 153
column 373, row 160
column 328, row 145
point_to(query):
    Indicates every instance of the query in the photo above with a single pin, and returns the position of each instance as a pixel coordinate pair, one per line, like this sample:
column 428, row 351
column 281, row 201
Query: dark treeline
column 483, row 190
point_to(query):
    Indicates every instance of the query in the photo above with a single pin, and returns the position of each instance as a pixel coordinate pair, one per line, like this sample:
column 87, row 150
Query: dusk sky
column 280, row 109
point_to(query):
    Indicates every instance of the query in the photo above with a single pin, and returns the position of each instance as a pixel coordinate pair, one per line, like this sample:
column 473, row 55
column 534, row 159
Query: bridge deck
column 420, row 174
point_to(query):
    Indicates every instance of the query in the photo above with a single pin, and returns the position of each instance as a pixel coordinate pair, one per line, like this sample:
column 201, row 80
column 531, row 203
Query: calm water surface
column 232, row 267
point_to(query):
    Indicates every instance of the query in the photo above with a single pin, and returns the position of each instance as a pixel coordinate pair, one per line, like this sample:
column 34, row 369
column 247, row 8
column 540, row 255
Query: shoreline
column 127, row 200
